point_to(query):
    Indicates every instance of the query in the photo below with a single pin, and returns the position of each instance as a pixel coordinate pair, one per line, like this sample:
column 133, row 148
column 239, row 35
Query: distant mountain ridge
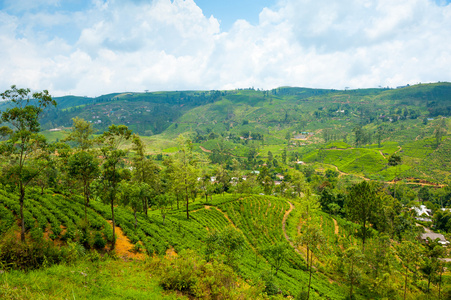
column 159, row 112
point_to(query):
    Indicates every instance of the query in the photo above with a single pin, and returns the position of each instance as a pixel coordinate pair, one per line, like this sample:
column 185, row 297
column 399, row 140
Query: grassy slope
column 110, row 279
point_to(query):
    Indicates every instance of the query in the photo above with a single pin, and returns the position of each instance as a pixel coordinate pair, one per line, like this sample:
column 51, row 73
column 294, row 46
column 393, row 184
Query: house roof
column 433, row 236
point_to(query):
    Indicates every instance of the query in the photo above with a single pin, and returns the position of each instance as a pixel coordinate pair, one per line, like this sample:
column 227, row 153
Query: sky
column 95, row 47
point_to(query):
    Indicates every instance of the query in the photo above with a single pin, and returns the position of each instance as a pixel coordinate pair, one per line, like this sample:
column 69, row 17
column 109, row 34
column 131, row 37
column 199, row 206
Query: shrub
column 191, row 274
column 28, row 255
column 99, row 241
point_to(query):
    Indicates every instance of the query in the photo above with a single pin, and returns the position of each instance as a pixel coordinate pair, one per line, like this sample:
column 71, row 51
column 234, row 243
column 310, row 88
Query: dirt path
column 337, row 228
column 284, row 223
column 227, row 217
column 380, row 151
column 299, row 250
column 389, row 182
column 124, row 248
column 205, row 150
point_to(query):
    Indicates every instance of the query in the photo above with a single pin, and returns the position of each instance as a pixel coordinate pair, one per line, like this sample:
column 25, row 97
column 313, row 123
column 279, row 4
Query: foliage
column 198, row 278
column 25, row 149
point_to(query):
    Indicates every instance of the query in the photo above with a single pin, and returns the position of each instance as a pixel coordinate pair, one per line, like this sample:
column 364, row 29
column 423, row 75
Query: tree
column 379, row 133
column 431, row 264
column 440, row 131
column 84, row 166
column 145, row 171
column 298, row 182
column 353, row 257
column 186, row 165
column 163, row 202
column 311, row 237
column 284, row 156
column 111, row 141
column 359, row 136
column 394, row 160
column 130, row 194
column 24, row 145
column 222, row 179
column 81, row 134
column 362, row 206
column 408, row 252
column 277, row 252
column 226, row 243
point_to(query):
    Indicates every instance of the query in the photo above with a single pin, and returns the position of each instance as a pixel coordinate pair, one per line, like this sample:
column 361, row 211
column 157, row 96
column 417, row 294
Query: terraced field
column 259, row 218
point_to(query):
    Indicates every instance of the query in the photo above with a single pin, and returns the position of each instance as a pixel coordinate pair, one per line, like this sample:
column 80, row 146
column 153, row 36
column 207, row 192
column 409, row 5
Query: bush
column 191, row 274
column 28, row 255
column 270, row 287
column 99, row 241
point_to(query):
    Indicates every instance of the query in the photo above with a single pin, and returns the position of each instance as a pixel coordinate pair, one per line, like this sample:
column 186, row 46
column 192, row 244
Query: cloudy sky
column 94, row 47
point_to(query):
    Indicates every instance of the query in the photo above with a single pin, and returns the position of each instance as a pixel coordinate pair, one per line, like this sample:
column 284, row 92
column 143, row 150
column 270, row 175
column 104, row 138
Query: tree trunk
column 363, row 236
column 87, row 193
column 440, row 284
column 21, row 200
column 310, row 276
column 136, row 220
column 405, row 286
column 114, row 225
column 352, row 280
column 187, row 201
column 86, row 202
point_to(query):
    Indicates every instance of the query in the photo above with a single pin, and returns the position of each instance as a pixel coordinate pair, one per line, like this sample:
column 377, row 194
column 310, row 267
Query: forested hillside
column 243, row 194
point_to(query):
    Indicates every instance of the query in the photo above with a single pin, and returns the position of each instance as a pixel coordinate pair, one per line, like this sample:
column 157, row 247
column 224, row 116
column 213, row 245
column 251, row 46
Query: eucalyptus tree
column 130, row 194
column 84, row 167
column 163, row 203
column 311, row 236
column 112, row 142
column 81, row 134
column 353, row 258
column 145, row 171
column 186, row 162
column 24, row 146
column 170, row 180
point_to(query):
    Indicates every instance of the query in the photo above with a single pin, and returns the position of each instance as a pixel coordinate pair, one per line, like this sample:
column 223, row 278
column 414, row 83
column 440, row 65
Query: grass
column 53, row 136
column 106, row 279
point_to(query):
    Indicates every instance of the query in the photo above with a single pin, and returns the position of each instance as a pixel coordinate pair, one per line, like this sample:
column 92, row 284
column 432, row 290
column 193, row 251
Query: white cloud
column 170, row 45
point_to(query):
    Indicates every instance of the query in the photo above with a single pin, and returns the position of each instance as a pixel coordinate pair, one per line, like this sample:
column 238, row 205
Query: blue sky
column 93, row 47
column 231, row 10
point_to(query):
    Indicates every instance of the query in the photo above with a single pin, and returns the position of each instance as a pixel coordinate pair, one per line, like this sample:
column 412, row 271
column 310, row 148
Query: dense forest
column 241, row 194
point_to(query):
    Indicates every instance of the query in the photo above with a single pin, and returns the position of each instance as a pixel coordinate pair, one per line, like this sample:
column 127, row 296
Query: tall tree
column 353, row 258
column 145, row 170
column 84, row 167
column 112, row 142
column 408, row 252
column 186, row 162
column 81, row 134
column 379, row 135
column 277, row 253
column 24, row 144
column 311, row 237
column 440, row 131
column 362, row 206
